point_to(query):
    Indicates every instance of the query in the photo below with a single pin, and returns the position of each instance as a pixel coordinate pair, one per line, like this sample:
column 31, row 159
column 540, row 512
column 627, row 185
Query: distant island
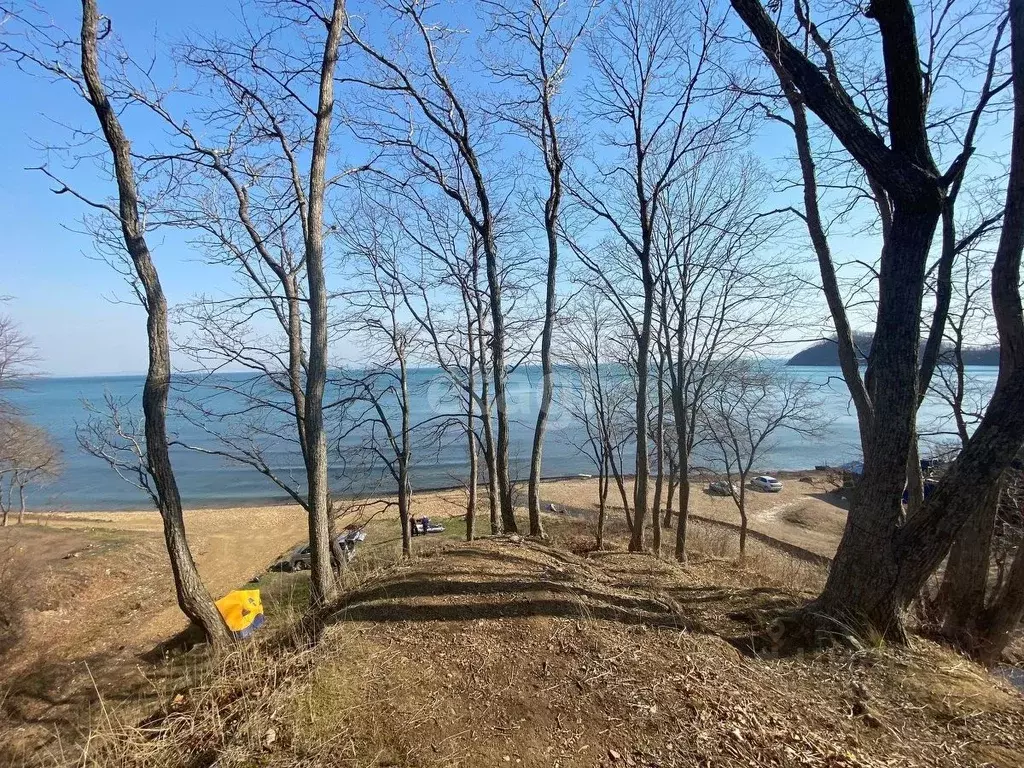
column 826, row 353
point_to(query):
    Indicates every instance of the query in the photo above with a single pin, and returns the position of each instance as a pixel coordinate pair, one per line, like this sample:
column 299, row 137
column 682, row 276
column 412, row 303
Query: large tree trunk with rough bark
column 193, row 598
column 884, row 558
column 1003, row 618
column 864, row 581
column 965, row 581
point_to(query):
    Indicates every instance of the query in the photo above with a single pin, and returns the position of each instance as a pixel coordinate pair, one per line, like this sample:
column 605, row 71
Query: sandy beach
column 121, row 570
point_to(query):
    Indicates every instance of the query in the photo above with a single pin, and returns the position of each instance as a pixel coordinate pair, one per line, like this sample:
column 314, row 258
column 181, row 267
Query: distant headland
column 826, row 352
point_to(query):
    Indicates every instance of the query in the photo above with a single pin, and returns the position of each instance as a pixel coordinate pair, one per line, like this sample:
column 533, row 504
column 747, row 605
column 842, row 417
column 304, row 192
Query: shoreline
column 268, row 502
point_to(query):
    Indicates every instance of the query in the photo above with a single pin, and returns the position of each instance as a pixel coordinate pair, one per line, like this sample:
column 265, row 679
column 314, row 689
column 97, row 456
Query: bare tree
column 538, row 40
column 17, row 355
column 377, row 394
column 439, row 140
column 599, row 396
column 884, row 557
column 53, row 52
column 743, row 419
column 324, row 586
column 658, row 98
column 981, row 578
column 722, row 293
column 440, row 289
column 251, row 183
column 28, row 456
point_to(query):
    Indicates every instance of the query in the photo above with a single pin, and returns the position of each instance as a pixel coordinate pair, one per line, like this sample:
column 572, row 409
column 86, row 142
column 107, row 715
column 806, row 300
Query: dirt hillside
column 505, row 652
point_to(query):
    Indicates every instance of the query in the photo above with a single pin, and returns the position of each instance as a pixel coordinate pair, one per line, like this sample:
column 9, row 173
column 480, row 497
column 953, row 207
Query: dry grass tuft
column 711, row 541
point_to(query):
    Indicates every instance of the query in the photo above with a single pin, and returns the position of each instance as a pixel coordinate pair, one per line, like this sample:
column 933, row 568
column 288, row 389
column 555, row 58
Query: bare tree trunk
column 485, row 419
column 965, row 581
column 884, row 560
column 681, row 416
column 492, row 478
column 404, row 496
column 915, row 479
column 743, row 518
column 472, row 449
column 865, row 579
column 673, row 481
column 683, row 517
column 636, row 541
column 296, row 358
column 323, row 586
column 548, row 386
column 21, row 504
column 659, row 448
column 1004, row 617
column 1007, row 610
column 499, row 373
column 405, row 461
column 193, row 599
column 603, row 481
column 620, row 483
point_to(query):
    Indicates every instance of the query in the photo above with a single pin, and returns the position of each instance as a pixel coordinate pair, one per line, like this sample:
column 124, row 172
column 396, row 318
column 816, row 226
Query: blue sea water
column 57, row 404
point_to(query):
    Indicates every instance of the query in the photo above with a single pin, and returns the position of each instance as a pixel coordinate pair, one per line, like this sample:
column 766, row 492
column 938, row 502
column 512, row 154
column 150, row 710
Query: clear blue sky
column 61, row 297
column 72, row 305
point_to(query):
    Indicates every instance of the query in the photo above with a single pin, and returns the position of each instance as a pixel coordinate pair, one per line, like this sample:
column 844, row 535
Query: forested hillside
column 826, row 353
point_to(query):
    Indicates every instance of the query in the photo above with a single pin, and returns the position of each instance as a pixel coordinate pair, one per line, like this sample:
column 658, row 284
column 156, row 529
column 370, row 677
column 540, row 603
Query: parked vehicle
column 721, row 488
column 423, row 526
column 347, row 541
column 766, row 483
column 300, row 558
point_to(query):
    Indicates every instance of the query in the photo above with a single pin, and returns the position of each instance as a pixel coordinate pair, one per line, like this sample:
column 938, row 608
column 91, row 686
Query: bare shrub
column 712, row 541
column 767, row 564
column 784, row 570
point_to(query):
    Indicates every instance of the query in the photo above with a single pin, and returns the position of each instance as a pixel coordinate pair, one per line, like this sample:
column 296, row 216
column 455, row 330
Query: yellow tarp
column 242, row 610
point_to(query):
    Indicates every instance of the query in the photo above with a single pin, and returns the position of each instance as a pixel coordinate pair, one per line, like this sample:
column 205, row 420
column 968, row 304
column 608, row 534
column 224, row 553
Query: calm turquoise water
column 87, row 483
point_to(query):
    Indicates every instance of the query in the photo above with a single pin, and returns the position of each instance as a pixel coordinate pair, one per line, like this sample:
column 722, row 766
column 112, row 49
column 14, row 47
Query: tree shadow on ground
column 726, row 608
column 838, row 499
column 426, row 597
column 51, row 702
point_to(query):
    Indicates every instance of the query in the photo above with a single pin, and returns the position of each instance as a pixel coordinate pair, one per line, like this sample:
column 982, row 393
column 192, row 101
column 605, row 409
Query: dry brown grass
column 507, row 652
column 14, row 592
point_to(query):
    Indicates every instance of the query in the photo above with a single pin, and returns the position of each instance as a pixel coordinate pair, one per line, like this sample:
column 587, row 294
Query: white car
column 766, row 483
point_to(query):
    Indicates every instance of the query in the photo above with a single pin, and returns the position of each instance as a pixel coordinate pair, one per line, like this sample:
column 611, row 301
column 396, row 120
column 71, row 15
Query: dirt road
column 804, row 514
